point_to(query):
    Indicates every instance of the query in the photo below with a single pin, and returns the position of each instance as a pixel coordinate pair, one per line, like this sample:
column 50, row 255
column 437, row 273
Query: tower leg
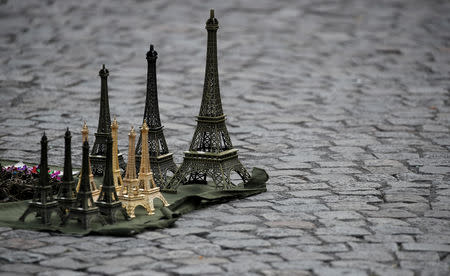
column 178, row 179
column 25, row 214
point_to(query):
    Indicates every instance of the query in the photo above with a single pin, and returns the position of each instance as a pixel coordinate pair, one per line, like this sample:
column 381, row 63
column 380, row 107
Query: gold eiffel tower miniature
column 130, row 194
column 118, row 183
column 146, row 182
column 95, row 191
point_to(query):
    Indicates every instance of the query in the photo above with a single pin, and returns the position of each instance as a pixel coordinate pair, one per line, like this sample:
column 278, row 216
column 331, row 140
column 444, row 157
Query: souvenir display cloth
column 187, row 199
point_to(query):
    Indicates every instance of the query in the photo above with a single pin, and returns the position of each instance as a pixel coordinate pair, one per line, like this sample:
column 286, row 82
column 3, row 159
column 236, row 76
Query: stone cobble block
column 345, row 108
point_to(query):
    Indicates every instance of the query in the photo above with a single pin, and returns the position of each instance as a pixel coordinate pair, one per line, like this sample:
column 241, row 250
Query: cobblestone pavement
column 346, row 104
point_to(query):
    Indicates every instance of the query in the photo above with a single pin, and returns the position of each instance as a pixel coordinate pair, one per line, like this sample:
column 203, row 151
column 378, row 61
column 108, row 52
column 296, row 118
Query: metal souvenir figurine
column 67, row 195
column 85, row 210
column 211, row 153
column 118, row 183
column 94, row 190
column 147, row 184
column 108, row 201
column 98, row 153
column 43, row 203
column 130, row 194
column 160, row 157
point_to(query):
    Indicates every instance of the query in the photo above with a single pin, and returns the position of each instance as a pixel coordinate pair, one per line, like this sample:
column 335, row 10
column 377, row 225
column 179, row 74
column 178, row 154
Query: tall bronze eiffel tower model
column 84, row 209
column 211, row 153
column 67, row 192
column 43, row 203
column 160, row 157
column 98, row 153
column 108, row 202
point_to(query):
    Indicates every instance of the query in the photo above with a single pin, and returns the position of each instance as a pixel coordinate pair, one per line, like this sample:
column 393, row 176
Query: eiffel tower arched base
column 85, row 217
column 197, row 166
column 129, row 203
column 43, row 211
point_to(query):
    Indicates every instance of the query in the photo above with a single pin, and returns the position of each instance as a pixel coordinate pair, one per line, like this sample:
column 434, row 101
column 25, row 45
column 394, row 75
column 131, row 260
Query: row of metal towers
column 211, row 155
column 84, row 201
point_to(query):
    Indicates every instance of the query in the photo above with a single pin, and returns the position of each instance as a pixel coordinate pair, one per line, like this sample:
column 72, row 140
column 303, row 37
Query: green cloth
column 187, row 199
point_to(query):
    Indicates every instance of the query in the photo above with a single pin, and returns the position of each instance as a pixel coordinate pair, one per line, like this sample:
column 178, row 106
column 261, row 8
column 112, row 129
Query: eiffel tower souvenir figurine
column 94, row 190
column 118, row 183
column 43, row 203
column 108, row 201
column 98, row 153
column 160, row 157
column 84, row 210
column 130, row 194
column 211, row 153
column 67, row 195
column 147, row 184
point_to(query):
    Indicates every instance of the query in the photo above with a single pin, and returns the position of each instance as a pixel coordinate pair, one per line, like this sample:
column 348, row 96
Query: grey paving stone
column 21, row 256
column 246, row 243
column 331, row 271
column 343, row 215
column 342, row 230
column 107, row 269
column 64, row 263
column 22, row 268
column 426, row 247
column 125, row 261
column 61, row 272
column 372, row 255
column 285, row 272
column 143, row 273
column 296, row 224
column 352, row 128
column 51, row 250
column 198, row 269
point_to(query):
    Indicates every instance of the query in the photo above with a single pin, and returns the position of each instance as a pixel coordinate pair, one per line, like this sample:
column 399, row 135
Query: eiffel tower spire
column 116, row 169
column 146, row 181
column 211, row 153
column 160, row 157
column 98, row 153
column 211, row 102
column 95, row 191
column 43, row 203
column 108, row 201
column 67, row 194
column 211, row 134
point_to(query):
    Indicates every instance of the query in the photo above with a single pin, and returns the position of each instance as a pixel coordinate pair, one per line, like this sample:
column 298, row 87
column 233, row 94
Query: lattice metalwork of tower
column 67, row 194
column 130, row 194
column 94, row 190
column 98, row 153
column 85, row 210
column 43, row 203
column 116, row 169
column 108, row 201
column 211, row 153
column 160, row 157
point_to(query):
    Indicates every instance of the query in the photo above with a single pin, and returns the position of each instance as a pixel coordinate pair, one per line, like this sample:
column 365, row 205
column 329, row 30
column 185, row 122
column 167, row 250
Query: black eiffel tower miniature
column 84, row 209
column 43, row 203
column 108, row 201
column 98, row 153
column 67, row 193
column 211, row 153
column 161, row 159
